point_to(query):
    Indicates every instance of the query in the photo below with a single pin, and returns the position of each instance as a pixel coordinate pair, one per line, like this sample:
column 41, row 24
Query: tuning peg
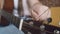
column 49, row 20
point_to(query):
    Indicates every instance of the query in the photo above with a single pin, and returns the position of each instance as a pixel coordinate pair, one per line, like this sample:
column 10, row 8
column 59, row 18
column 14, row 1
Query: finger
column 34, row 15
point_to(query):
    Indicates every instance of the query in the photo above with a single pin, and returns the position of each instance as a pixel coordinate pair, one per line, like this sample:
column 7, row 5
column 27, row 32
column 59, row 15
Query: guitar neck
column 9, row 17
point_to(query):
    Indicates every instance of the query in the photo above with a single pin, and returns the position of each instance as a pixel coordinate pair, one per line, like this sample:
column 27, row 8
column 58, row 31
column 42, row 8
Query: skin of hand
column 39, row 12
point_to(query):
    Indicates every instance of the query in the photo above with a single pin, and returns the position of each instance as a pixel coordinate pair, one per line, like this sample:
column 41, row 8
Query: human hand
column 40, row 13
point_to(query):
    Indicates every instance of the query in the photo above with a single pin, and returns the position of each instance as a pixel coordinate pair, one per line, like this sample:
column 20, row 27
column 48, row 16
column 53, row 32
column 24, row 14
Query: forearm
column 34, row 5
column 32, row 2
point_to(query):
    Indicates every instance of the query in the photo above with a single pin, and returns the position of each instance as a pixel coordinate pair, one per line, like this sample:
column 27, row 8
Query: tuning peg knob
column 49, row 20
